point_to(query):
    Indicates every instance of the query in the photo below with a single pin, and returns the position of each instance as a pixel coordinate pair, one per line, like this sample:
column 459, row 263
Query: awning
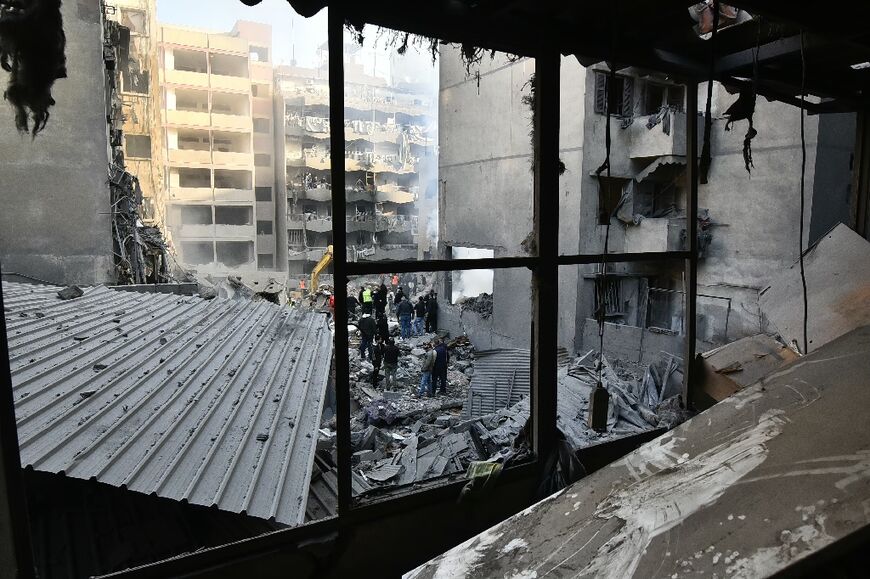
column 666, row 161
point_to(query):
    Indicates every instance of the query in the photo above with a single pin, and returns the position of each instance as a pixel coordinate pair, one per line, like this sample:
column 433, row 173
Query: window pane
column 402, row 431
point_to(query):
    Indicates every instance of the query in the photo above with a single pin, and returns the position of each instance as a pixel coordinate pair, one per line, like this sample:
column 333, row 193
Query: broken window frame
column 544, row 267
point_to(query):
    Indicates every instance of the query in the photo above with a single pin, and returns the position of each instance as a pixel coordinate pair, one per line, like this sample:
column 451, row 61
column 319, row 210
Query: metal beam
column 691, row 263
column 771, row 50
column 545, row 277
column 335, row 30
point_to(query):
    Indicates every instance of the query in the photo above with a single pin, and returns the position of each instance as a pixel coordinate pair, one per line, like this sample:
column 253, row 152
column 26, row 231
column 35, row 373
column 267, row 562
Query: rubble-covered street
column 401, row 437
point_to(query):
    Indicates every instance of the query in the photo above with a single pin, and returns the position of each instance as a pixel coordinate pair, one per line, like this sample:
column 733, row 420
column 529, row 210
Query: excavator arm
column 321, row 265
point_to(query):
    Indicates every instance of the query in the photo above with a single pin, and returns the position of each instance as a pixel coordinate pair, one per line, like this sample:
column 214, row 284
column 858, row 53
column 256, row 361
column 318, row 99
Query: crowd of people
column 414, row 318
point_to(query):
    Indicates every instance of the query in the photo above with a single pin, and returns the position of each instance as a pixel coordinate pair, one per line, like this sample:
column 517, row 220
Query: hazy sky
column 289, row 30
column 293, row 34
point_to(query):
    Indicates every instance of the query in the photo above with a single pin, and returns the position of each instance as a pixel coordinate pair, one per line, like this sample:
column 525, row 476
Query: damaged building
column 642, row 283
column 217, row 108
column 390, row 179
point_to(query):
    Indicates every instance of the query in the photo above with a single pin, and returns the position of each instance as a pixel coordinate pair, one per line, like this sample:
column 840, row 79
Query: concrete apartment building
column 389, row 166
column 223, row 215
column 486, row 194
column 748, row 223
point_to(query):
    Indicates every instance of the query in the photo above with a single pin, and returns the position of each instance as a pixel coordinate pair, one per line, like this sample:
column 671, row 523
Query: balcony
column 232, row 159
column 232, row 122
column 234, row 231
column 189, row 157
column 654, row 234
column 192, row 231
column 184, row 37
column 191, row 193
column 187, row 78
column 317, row 223
column 384, row 253
column 234, row 195
column 230, row 83
column 226, row 43
column 188, row 118
column 644, row 143
column 319, row 193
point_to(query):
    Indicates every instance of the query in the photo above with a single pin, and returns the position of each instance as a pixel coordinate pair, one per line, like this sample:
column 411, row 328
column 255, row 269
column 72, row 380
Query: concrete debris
column 481, row 305
column 70, row 292
column 732, row 367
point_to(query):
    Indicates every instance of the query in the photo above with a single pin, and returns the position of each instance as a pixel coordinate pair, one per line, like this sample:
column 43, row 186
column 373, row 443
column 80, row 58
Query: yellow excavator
column 315, row 273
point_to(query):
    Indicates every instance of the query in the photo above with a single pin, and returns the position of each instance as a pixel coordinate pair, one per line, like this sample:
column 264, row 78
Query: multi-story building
column 390, row 164
column 223, row 215
column 747, row 233
column 139, row 92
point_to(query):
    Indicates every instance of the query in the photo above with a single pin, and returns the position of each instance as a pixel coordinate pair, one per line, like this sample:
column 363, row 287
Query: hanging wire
column 706, row 155
column 803, row 183
column 601, row 278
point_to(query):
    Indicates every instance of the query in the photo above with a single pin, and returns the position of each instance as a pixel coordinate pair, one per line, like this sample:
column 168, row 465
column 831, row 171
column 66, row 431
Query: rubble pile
column 481, row 305
column 400, row 438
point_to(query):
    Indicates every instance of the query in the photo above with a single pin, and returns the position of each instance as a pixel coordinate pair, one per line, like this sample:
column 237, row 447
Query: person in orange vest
column 394, row 281
column 302, row 283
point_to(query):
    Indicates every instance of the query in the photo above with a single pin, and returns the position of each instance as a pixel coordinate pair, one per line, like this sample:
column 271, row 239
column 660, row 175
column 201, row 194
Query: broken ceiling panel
column 838, row 288
column 214, row 402
column 758, row 482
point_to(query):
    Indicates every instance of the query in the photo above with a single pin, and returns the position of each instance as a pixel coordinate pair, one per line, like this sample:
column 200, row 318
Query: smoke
column 473, row 282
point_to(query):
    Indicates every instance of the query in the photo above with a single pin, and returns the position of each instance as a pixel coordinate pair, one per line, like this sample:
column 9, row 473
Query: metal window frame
column 544, row 267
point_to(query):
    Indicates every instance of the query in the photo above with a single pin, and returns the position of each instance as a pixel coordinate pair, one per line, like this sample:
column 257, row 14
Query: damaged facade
column 217, row 108
column 747, row 223
column 390, row 179
column 141, row 254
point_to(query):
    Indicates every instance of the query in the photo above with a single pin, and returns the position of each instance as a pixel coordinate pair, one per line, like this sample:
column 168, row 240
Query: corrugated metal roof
column 214, row 402
column 500, row 379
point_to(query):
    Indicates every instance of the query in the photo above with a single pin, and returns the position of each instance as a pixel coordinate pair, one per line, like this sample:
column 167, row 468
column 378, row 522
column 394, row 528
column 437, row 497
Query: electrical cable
column 803, row 202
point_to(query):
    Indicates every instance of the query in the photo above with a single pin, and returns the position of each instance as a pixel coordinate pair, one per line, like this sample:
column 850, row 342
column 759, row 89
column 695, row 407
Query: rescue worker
column 399, row 295
column 380, row 300
column 383, row 326
column 419, row 316
column 404, row 311
column 377, row 358
column 439, row 372
column 432, row 313
column 367, row 331
column 367, row 300
column 426, row 367
column 391, row 362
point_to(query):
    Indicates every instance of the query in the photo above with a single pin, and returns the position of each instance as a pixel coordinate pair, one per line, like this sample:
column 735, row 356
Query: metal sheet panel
column 500, row 379
column 838, row 291
column 212, row 402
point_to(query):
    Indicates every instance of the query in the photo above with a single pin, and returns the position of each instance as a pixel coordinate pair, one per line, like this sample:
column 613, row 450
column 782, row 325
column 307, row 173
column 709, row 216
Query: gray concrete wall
column 756, row 215
column 55, row 198
column 631, row 343
column 832, row 186
column 487, row 183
